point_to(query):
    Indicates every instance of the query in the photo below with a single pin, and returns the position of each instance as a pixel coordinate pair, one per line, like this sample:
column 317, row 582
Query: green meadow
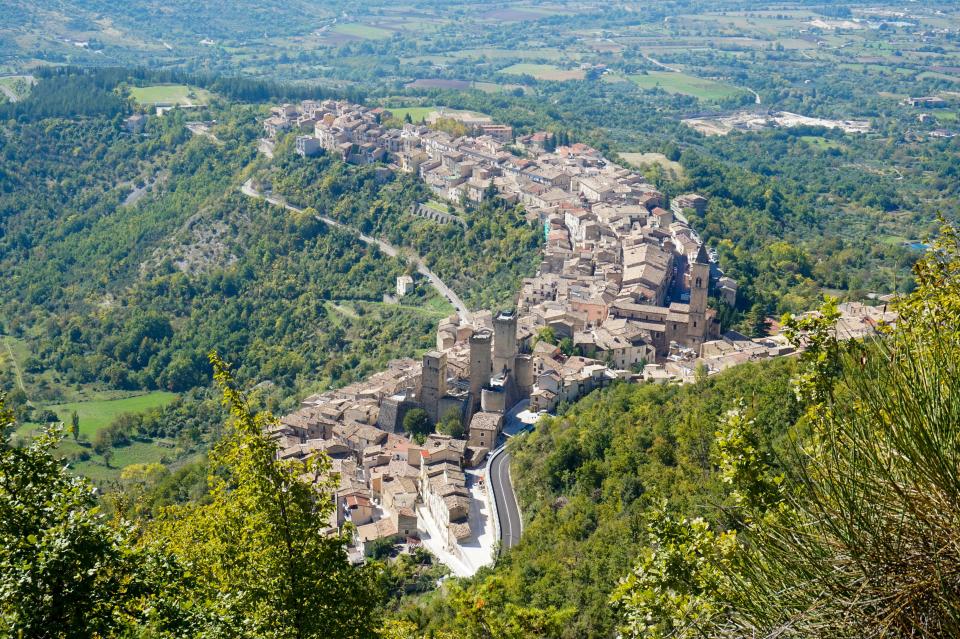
column 180, row 94
column 700, row 88
column 364, row 31
column 98, row 414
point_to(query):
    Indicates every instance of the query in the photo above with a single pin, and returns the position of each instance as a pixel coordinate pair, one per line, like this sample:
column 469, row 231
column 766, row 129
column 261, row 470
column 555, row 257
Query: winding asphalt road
column 508, row 511
column 391, row 250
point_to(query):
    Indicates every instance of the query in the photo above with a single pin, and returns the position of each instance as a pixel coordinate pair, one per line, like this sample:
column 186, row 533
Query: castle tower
column 433, row 383
column 481, row 365
column 524, row 374
column 504, row 340
column 699, row 284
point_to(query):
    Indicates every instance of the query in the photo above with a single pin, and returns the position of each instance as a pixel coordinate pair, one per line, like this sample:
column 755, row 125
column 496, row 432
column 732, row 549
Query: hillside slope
column 585, row 481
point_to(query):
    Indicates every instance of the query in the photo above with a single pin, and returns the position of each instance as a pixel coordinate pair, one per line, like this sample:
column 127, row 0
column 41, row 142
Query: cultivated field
column 439, row 83
column 700, row 88
column 545, row 72
column 416, row 114
column 463, row 85
column 429, row 113
column 363, row 31
column 170, row 94
column 492, row 53
column 493, row 87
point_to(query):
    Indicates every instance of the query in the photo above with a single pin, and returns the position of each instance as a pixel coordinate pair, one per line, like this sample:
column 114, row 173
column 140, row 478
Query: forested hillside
column 496, row 245
column 767, row 500
column 588, row 480
column 131, row 293
column 804, row 497
column 159, row 312
column 129, row 256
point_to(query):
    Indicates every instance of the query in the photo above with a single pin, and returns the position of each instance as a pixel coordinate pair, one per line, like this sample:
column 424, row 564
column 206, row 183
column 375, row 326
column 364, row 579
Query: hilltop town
column 465, row 319
column 621, row 294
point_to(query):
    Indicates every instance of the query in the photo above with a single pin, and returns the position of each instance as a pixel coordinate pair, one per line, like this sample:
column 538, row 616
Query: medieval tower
column 699, row 283
column 481, row 365
column 433, row 383
column 504, row 341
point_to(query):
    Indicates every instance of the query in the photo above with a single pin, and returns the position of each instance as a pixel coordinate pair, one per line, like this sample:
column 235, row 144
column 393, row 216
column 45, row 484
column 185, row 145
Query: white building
column 404, row 285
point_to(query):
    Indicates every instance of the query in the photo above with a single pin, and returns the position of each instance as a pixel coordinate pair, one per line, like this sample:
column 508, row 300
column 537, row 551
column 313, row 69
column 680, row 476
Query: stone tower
column 699, row 284
column 433, row 383
column 524, row 374
column 504, row 340
column 481, row 365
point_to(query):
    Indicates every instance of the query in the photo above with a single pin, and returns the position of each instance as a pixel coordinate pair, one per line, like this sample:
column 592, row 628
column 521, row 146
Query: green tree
column 546, row 334
column 864, row 542
column 550, row 143
column 64, row 572
column 416, row 423
column 259, row 548
column 757, row 321
column 677, row 586
column 75, row 425
column 701, row 372
column 744, row 466
column 452, row 424
column 483, row 610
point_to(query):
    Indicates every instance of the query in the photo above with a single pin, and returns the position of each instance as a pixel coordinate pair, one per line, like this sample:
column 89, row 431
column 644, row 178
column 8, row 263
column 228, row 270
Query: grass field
column 439, row 206
column 364, row 31
column 413, row 25
column 420, row 112
column 96, row 468
column 821, row 143
column 435, row 306
column 700, row 88
column 18, row 84
column 416, row 113
column 544, row 72
column 491, row 53
column 933, row 75
column 12, row 352
column 139, row 453
column 876, row 68
column 493, row 87
column 179, row 94
column 673, row 170
column 95, row 415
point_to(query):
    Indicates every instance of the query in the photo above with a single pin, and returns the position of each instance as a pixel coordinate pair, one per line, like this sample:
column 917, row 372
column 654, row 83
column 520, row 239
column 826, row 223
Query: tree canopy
column 259, row 557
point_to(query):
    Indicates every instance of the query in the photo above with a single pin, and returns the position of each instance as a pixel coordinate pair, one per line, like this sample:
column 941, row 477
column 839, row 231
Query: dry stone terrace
column 623, row 285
